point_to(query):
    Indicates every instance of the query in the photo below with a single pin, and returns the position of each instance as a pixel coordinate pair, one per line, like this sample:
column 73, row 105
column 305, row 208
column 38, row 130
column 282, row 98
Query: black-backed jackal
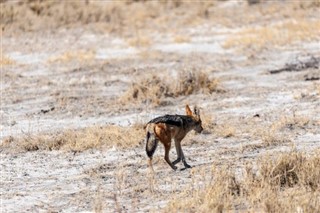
column 168, row 127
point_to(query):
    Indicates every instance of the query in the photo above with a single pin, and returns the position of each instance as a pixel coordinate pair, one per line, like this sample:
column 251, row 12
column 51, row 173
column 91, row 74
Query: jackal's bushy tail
column 151, row 143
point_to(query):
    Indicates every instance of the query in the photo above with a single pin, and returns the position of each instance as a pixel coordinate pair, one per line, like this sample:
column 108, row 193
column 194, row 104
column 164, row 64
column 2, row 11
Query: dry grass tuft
column 78, row 140
column 272, row 136
column 193, row 81
column 182, row 39
column 216, row 197
column 123, row 17
column 140, row 41
column 287, row 182
column 156, row 90
column 278, row 132
column 80, row 55
column 291, row 169
column 225, row 130
column 317, row 88
column 148, row 90
column 4, row 60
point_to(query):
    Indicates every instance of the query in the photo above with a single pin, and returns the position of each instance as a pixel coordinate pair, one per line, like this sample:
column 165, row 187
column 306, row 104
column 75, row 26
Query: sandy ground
column 73, row 78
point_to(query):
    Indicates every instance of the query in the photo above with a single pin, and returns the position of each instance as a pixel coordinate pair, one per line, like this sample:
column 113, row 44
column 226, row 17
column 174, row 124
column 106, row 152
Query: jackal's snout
column 198, row 128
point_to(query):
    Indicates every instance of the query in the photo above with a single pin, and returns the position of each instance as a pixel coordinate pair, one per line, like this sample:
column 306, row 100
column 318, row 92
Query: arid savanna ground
column 80, row 79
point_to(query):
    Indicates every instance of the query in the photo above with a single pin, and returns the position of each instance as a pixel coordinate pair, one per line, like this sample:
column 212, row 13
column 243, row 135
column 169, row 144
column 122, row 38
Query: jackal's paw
column 174, row 168
column 176, row 161
column 187, row 166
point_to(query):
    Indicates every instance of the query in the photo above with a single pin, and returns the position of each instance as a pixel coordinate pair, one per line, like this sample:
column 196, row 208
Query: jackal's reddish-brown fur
column 168, row 127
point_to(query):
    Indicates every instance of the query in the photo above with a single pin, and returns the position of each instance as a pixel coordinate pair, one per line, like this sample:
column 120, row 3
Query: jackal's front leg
column 177, row 144
column 180, row 155
column 166, row 155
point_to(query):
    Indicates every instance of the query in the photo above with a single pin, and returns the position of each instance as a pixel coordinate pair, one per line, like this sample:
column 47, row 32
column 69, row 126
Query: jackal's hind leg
column 166, row 156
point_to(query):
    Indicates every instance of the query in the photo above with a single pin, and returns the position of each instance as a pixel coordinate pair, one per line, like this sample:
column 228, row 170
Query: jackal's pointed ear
column 196, row 111
column 188, row 110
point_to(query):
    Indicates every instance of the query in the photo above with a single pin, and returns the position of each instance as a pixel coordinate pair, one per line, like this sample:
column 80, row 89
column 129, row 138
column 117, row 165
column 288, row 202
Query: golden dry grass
column 285, row 183
column 96, row 137
column 4, row 60
column 271, row 135
column 318, row 89
column 140, row 41
column 129, row 17
column 216, row 197
column 278, row 132
column 291, row 169
column 154, row 89
column 79, row 55
column 182, row 39
column 193, row 81
column 117, row 16
column 275, row 35
column 151, row 89
column 225, row 130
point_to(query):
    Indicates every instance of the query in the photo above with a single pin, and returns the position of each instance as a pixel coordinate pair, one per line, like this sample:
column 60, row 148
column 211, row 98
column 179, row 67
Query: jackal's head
column 195, row 117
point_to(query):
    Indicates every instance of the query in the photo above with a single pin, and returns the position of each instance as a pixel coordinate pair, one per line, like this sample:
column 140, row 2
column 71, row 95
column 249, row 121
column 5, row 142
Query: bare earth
column 72, row 78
